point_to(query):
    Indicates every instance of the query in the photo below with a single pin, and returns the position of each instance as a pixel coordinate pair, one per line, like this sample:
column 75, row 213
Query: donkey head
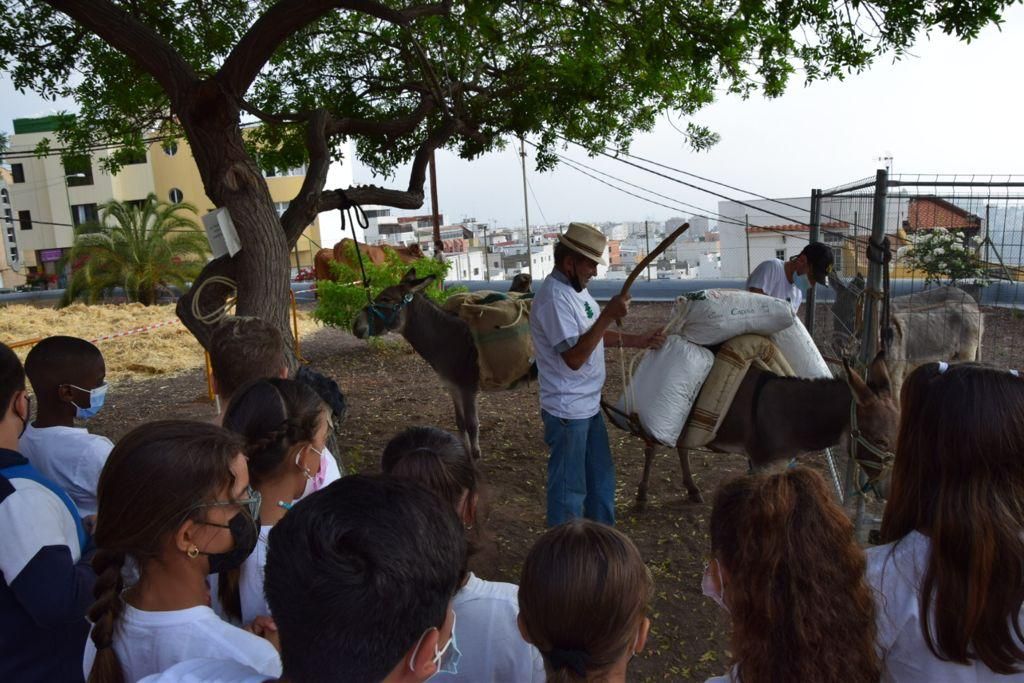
column 874, row 419
column 387, row 312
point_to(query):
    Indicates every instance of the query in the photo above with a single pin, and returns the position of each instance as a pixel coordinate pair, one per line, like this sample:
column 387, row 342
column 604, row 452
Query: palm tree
column 140, row 246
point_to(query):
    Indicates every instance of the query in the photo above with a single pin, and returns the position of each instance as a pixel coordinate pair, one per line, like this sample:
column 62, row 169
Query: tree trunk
column 233, row 180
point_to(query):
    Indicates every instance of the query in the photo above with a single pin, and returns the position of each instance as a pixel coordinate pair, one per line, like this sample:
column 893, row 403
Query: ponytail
column 104, row 614
column 229, row 593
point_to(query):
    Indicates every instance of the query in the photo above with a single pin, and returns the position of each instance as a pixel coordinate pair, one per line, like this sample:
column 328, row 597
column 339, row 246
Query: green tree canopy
column 403, row 78
column 139, row 247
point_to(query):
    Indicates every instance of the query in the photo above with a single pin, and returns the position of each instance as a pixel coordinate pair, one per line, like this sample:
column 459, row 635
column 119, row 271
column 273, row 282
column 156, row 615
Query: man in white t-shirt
column 68, row 379
column 788, row 280
column 569, row 332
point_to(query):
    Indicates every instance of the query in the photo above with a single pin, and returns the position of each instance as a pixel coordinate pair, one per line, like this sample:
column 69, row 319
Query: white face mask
column 709, row 587
column 314, row 482
column 446, row 659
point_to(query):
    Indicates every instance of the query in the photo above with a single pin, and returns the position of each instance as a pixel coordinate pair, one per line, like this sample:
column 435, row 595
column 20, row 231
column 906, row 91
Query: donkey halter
column 387, row 313
column 857, row 438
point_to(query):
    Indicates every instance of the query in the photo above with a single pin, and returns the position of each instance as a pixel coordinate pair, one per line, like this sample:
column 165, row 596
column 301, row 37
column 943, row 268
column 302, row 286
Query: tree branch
column 139, row 42
column 286, row 17
column 392, row 128
column 303, row 209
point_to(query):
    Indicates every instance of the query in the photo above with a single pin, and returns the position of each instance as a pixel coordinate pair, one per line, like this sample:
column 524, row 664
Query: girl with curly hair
column 787, row 568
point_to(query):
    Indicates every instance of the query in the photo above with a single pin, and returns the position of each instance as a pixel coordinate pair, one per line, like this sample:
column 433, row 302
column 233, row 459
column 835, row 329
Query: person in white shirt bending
column 284, row 424
column 174, row 498
column 68, row 379
column 950, row 578
column 486, row 629
column 788, row 280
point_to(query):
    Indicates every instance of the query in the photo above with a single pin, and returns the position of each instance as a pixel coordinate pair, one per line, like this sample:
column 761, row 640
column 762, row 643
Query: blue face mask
column 96, row 398
column 447, row 658
column 802, row 283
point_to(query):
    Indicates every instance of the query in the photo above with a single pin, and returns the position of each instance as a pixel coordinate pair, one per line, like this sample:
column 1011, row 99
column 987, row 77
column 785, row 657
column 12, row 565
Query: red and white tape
column 137, row 330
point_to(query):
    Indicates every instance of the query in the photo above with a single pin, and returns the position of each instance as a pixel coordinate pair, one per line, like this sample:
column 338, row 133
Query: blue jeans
column 581, row 475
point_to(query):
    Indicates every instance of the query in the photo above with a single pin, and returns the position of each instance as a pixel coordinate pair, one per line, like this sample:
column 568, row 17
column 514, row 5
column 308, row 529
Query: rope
column 220, row 312
column 364, row 223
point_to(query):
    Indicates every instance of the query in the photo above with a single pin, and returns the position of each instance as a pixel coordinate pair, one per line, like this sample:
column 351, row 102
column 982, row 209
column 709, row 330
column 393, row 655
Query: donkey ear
column 419, row 285
column 409, row 277
column 861, row 391
column 878, row 375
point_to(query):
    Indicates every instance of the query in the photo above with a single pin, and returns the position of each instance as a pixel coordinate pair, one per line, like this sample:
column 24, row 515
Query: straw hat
column 585, row 240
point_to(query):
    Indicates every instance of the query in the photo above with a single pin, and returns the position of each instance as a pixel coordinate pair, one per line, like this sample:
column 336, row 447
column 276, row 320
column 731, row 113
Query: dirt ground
column 389, row 387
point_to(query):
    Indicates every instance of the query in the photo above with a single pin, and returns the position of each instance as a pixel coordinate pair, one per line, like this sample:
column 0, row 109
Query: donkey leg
column 691, row 487
column 641, row 491
column 460, row 417
column 471, row 421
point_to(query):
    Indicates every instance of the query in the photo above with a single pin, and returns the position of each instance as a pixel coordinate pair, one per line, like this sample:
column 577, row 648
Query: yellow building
column 49, row 196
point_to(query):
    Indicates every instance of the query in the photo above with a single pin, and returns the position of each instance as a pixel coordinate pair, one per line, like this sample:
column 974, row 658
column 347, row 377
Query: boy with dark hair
column 45, row 579
column 67, row 375
column 243, row 349
column 360, row 579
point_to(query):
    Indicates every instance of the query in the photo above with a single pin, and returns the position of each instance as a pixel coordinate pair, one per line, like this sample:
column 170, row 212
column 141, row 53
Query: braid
column 104, row 614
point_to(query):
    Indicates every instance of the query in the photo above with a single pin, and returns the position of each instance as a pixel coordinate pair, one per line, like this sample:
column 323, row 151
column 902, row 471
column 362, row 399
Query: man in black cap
column 787, row 280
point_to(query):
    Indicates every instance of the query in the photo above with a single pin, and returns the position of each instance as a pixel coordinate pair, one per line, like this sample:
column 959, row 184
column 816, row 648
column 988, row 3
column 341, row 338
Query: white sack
column 665, row 386
column 711, row 316
column 798, row 348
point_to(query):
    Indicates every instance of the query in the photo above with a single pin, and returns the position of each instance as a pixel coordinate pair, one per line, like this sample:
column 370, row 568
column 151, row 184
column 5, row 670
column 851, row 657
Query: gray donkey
column 442, row 339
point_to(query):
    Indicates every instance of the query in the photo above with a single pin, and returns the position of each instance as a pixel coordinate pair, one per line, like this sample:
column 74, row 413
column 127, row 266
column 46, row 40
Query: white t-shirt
column 731, row 677
column 770, row 278
column 70, row 457
column 895, row 572
column 488, row 636
column 558, row 318
column 150, row 642
column 207, row 671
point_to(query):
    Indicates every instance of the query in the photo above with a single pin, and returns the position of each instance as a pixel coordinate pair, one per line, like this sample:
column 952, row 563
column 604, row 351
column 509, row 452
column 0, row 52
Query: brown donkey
column 442, row 339
column 775, row 418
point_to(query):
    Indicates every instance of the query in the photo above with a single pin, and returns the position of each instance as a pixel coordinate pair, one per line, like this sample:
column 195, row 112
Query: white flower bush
column 944, row 258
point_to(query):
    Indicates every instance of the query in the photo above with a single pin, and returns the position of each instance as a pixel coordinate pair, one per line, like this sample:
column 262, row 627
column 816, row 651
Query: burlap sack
column 715, row 397
column 500, row 324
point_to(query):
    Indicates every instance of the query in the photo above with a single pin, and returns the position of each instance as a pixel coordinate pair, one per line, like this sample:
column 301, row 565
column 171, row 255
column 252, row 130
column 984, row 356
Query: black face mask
column 28, row 416
column 245, row 532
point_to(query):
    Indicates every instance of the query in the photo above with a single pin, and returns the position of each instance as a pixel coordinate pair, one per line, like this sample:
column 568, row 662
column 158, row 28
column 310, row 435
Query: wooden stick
column 655, row 253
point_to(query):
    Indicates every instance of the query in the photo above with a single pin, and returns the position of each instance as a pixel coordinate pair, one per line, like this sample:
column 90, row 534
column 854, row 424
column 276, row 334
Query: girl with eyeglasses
column 285, row 425
column 950, row 579
column 174, row 506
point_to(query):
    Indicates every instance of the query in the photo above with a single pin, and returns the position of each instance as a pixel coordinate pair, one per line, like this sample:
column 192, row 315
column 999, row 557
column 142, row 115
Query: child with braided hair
column 174, row 499
column 583, row 600
column 284, row 424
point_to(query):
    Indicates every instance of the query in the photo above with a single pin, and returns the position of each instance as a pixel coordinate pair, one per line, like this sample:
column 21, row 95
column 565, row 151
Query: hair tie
column 576, row 660
column 943, row 366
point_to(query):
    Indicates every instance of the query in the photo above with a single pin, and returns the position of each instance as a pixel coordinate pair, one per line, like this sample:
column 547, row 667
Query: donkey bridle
column 387, row 313
column 885, row 458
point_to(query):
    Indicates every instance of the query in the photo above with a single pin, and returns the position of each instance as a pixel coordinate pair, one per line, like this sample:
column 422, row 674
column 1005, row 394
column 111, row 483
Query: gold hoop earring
column 193, row 552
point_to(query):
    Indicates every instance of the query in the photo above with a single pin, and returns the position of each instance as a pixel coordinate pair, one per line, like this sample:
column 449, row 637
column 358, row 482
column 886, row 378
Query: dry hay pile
column 166, row 350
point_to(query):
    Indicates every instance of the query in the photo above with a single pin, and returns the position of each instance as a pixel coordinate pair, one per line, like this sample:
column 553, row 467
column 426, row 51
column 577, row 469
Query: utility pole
column 746, row 231
column 487, row 256
column 438, row 244
column 647, row 240
column 526, row 209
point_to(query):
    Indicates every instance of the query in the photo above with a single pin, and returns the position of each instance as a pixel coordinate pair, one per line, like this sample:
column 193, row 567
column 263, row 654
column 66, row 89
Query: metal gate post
column 815, row 236
column 869, row 343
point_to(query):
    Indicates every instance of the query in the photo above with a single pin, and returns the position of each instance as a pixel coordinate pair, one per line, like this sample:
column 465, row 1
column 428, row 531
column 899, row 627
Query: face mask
column 244, row 532
column 802, row 283
column 96, row 398
column 708, row 587
column 446, row 659
column 314, row 482
column 28, row 415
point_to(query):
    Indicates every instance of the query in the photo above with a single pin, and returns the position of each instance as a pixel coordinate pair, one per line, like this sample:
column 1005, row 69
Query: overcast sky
column 951, row 108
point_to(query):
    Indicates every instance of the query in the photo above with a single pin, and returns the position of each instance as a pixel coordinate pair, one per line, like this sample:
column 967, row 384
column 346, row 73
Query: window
column 135, row 157
column 170, row 147
column 281, row 207
column 25, row 220
column 780, row 254
column 18, row 172
column 175, row 195
column 476, row 271
column 77, row 171
column 84, row 213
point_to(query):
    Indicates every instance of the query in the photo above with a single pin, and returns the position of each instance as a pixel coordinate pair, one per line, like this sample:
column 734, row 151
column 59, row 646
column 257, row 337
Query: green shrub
column 340, row 301
column 945, row 256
